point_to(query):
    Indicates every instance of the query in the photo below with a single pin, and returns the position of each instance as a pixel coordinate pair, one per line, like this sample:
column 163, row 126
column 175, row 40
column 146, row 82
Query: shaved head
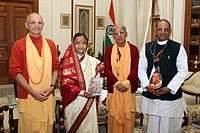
column 34, row 24
column 32, row 15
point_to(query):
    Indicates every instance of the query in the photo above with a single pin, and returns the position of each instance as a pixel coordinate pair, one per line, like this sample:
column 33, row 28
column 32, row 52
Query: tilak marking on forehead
column 118, row 28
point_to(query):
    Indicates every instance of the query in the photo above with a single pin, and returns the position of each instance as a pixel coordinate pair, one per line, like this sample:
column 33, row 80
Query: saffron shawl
column 31, row 110
column 121, row 105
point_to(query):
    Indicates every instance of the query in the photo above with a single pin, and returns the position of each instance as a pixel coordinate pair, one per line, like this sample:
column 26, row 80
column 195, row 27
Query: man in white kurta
column 165, row 106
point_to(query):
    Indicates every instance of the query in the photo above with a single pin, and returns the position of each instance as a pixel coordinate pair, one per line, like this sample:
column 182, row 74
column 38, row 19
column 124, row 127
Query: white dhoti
column 163, row 116
column 158, row 124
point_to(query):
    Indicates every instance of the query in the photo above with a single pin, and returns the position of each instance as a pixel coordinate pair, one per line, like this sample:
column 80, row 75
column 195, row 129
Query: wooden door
column 12, row 17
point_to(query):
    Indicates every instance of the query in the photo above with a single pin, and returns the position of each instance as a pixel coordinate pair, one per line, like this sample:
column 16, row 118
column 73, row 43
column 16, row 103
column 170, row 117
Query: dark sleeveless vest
column 167, row 66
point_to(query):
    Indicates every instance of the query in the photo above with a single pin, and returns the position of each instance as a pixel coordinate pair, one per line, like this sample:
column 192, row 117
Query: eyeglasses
column 33, row 23
column 119, row 33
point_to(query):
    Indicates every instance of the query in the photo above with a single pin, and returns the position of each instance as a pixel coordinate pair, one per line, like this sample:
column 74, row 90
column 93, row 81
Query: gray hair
column 121, row 26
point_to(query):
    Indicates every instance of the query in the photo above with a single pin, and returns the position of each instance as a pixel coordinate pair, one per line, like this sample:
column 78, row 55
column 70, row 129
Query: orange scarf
column 120, row 104
column 40, row 74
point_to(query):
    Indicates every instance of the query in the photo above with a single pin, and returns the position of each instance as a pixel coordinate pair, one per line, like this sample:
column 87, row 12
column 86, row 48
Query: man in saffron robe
column 34, row 65
column 121, row 70
column 77, row 70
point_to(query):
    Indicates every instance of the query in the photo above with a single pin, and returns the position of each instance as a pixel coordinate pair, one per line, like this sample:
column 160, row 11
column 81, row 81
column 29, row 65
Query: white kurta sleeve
column 142, row 69
column 182, row 68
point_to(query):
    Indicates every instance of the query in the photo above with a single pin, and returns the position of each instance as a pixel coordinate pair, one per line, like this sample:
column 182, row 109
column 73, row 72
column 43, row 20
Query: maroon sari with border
column 72, row 82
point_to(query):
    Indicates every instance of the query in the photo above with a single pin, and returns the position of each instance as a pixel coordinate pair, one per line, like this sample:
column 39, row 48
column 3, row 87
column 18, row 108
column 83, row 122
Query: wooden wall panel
column 12, row 18
column 19, row 27
column 3, row 29
column 4, row 42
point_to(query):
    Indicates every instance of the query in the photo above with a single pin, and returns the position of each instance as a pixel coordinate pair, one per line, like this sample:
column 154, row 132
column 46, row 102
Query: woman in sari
column 77, row 69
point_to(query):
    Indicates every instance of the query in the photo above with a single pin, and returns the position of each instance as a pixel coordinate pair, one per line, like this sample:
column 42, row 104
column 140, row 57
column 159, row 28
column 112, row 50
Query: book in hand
column 95, row 86
column 156, row 80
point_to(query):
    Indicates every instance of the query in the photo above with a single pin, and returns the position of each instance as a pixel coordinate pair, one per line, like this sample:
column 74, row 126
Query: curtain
column 179, row 20
column 130, row 19
column 174, row 11
column 166, row 11
column 144, row 9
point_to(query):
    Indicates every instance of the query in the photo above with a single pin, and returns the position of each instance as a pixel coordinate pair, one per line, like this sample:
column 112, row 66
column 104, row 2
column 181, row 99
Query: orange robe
column 17, row 62
column 34, row 116
column 121, row 68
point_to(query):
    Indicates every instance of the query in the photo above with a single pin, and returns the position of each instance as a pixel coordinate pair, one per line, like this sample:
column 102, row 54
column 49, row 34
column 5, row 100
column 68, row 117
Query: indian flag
column 110, row 22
